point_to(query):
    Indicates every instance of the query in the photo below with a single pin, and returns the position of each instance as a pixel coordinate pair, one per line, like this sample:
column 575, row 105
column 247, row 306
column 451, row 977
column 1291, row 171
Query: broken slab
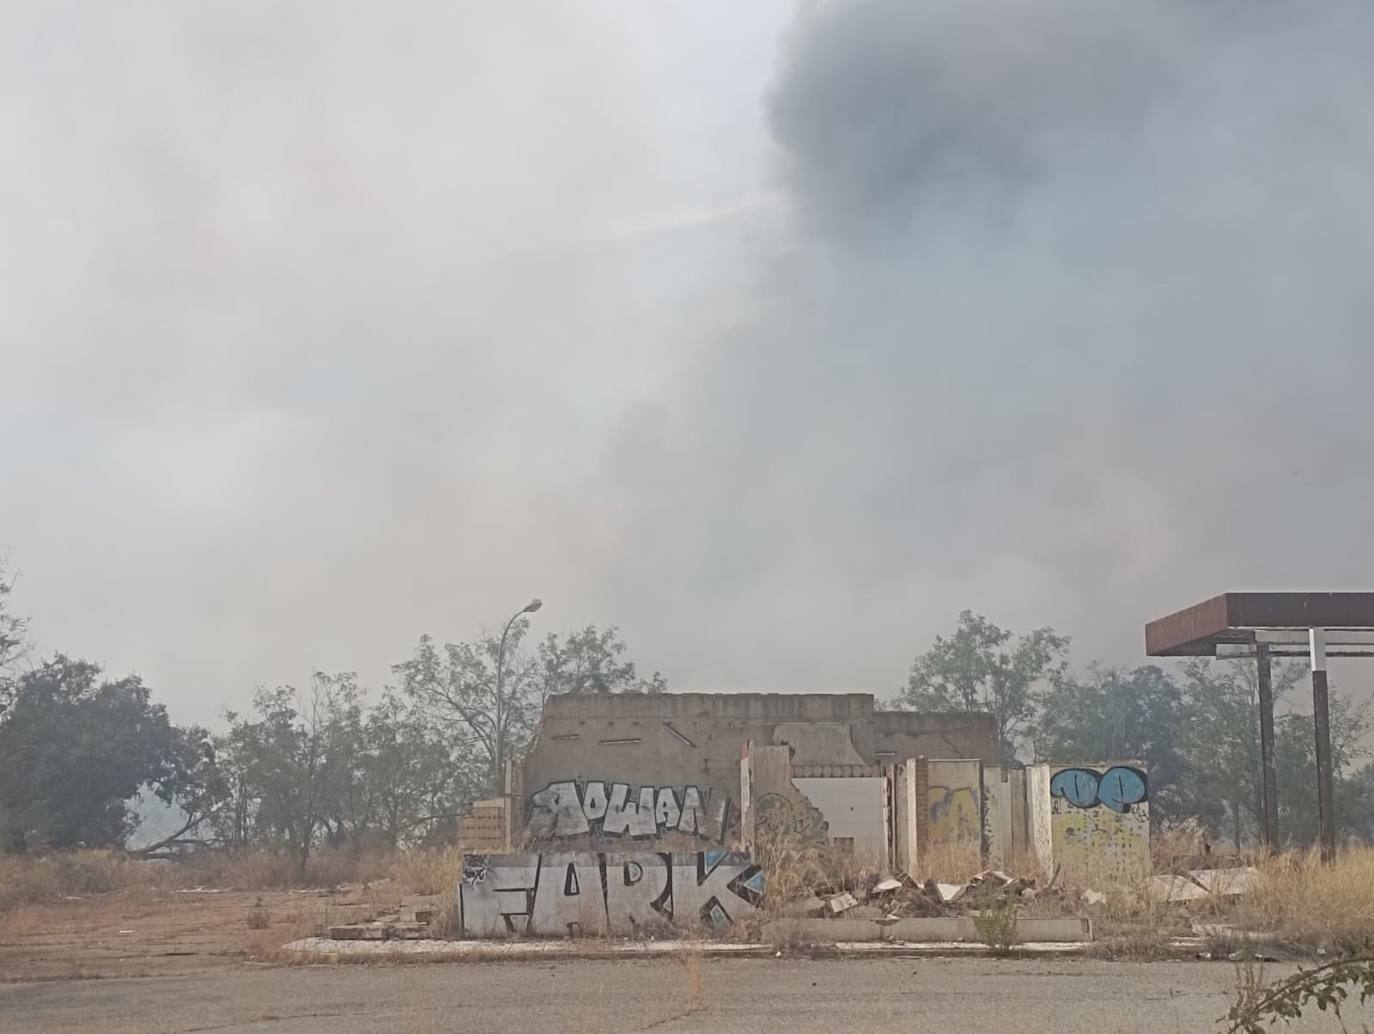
column 842, row 903
column 1203, row 883
column 1226, row 882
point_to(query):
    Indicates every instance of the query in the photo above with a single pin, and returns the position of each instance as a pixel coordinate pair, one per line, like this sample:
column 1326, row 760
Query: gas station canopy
column 1232, row 624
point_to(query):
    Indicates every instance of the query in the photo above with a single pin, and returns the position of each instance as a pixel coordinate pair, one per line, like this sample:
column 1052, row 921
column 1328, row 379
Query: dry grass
column 29, row 880
column 35, row 879
column 428, row 871
column 949, row 861
column 258, row 917
column 1176, row 847
column 795, row 869
column 1301, row 901
column 694, row 985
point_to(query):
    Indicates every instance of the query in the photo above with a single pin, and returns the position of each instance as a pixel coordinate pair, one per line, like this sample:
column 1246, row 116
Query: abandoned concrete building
column 693, row 771
column 630, row 810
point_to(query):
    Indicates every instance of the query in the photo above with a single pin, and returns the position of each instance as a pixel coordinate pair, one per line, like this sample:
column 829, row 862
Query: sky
column 775, row 334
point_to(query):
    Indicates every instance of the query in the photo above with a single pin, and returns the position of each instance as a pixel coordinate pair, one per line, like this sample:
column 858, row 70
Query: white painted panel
column 854, row 807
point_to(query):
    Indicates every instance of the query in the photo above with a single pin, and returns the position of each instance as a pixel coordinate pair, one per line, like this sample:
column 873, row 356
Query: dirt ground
column 169, row 933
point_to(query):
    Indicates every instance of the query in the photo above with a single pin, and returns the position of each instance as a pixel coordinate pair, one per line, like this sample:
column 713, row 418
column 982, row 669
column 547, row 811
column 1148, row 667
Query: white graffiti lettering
column 571, row 809
column 556, row 895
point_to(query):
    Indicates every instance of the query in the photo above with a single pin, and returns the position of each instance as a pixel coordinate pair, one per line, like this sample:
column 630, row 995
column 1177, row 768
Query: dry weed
column 258, row 918
column 30, row 879
column 692, row 979
column 949, row 861
column 1300, row 900
column 428, row 871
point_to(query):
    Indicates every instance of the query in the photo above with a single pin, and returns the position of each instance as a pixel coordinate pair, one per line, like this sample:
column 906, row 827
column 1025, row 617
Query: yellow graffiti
column 1097, row 845
column 954, row 814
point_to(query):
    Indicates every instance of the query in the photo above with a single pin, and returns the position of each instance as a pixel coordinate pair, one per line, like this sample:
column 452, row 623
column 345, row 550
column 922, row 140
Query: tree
column 12, row 640
column 287, row 766
column 590, row 661
column 1112, row 714
column 1223, row 777
column 418, row 779
column 494, row 714
column 985, row 668
column 73, row 749
column 1295, row 758
column 191, row 779
column 461, row 689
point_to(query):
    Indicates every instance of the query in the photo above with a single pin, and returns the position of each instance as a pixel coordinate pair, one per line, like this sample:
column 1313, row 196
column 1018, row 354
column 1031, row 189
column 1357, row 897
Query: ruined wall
column 658, row 747
column 596, row 893
column 1100, row 817
column 855, row 810
column 777, row 807
column 954, row 802
column 1039, row 816
column 905, row 828
column 998, row 841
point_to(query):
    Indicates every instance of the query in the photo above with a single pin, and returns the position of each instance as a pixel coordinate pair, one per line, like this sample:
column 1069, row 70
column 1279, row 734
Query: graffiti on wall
column 1101, row 822
column 954, row 814
column 596, row 808
column 789, row 815
column 1118, row 788
column 598, row 893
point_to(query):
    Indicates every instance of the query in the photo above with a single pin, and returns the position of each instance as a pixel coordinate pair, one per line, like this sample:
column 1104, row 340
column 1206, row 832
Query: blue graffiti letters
column 1118, row 788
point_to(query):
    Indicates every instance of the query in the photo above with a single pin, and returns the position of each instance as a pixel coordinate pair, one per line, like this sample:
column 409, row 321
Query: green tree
column 191, row 779
column 1113, row 714
column 12, row 640
column 287, row 766
column 1295, row 758
column 1223, row 783
column 419, row 781
column 590, row 661
column 73, row 749
column 985, row 668
column 456, row 686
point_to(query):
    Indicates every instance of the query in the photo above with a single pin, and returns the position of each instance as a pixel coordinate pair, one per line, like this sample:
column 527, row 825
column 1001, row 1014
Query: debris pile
column 901, row 897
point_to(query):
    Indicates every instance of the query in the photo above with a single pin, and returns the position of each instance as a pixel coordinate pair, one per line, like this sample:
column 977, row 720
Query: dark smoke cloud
column 1073, row 327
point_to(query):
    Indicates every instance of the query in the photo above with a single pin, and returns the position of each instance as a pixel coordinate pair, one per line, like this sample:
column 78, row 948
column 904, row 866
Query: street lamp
column 499, row 754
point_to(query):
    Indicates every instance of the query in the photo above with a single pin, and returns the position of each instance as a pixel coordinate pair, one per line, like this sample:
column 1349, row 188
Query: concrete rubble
column 901, row 897
column 1203, row 885
column 412, row 925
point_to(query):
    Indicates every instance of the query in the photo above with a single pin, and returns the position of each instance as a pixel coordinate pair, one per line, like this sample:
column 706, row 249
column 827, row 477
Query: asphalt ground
column 687, row 994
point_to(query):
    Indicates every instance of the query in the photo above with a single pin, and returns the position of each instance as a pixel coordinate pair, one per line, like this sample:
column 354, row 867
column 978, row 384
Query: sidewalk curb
column 523, row 951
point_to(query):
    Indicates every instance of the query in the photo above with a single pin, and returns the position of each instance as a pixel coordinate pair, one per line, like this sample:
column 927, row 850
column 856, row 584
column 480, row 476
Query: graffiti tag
column 1117, row 788
column 571, row 809
column 598, row 893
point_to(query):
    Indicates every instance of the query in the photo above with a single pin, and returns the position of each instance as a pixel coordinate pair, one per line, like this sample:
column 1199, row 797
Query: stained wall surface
column 1040, row 817
column 1100, row 817
column 677, row 756
column 954, row 801
column 854, row 809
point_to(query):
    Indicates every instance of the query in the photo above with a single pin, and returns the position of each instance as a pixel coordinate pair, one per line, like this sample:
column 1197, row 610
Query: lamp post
column 499, row 754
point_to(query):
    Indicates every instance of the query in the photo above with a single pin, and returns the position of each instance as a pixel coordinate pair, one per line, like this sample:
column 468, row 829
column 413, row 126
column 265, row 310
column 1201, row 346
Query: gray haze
column 775, row 336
